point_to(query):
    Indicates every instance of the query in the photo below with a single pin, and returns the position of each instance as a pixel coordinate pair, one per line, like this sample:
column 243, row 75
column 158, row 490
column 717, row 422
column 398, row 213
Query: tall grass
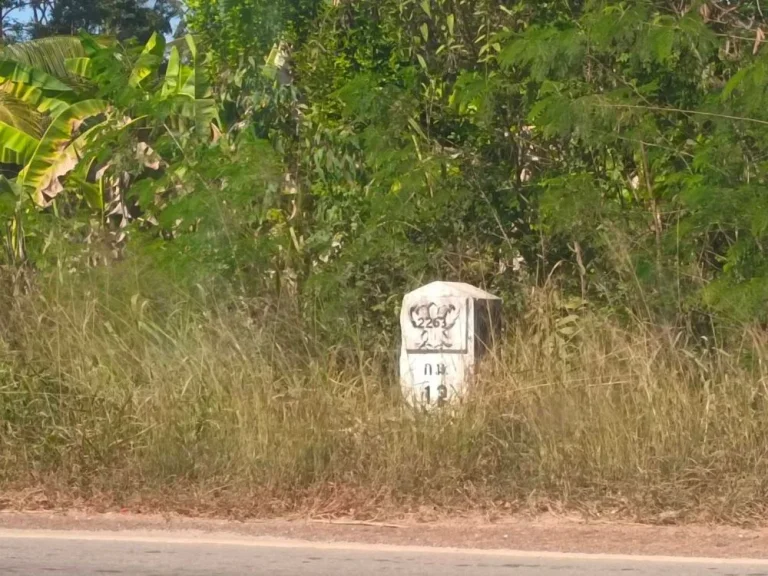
column 191, row 403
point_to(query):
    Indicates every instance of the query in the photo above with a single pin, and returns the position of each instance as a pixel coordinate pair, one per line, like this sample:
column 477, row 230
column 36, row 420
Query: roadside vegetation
column 206, row 239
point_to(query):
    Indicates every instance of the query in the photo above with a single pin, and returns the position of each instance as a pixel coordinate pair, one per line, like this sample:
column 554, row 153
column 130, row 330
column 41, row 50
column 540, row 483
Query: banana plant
column 184, row 86
column 188, row 87
column 59, row 150
column 51, row 126
column 35, row 84
column 40, row 111
column 20, row 130
column 148, row 61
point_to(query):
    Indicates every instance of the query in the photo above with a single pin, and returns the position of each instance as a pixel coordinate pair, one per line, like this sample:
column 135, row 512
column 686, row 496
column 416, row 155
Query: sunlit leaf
column 149, row 60
column 20, row 130
column 59, row 150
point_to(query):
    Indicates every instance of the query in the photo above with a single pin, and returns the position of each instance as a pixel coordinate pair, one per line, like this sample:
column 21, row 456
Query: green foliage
column 20, row 130
column 243, row 31
column 59, row 151
column 613, row 143
column 48, row 55
column 124, row 19
column 612, row 147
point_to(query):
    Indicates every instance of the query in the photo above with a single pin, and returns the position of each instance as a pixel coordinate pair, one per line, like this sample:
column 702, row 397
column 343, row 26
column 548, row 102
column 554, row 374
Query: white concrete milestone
column 446, row 327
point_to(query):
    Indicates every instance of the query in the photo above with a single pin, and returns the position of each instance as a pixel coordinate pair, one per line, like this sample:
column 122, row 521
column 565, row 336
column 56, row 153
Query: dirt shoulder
column 544, row 533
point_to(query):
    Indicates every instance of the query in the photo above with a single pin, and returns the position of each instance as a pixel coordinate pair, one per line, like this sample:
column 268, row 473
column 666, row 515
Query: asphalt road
column 40, row 553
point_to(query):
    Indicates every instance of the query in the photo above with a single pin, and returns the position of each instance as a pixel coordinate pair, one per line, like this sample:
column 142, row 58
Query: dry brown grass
column 210, row 410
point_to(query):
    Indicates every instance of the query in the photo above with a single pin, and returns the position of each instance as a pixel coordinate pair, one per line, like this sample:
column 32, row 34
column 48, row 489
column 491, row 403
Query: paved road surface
column 40, row 553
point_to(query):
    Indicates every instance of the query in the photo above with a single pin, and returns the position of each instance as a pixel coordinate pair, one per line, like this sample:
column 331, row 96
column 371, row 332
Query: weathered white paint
column 446, row 327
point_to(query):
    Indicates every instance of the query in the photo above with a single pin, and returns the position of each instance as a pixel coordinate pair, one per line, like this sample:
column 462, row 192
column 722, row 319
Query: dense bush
column 612, row 148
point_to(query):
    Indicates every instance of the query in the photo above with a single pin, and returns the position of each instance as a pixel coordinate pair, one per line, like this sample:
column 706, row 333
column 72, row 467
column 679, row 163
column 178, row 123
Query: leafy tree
column 247, row 29
column 123, row 19
column 457, row 139
column 613, row 147
column 24, row 19
column 8, row 25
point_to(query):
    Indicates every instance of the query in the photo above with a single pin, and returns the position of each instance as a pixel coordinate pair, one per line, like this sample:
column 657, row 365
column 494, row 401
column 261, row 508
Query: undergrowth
column 230, row 408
